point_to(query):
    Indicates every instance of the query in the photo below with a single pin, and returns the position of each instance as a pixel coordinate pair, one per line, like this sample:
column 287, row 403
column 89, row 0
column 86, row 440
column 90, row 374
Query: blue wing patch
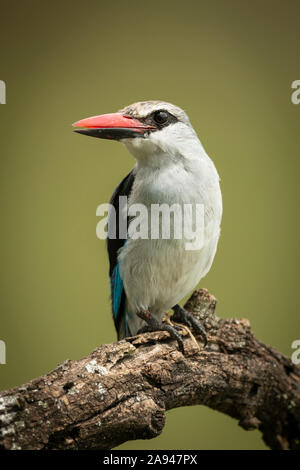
column 117, row 292
column 116, row 286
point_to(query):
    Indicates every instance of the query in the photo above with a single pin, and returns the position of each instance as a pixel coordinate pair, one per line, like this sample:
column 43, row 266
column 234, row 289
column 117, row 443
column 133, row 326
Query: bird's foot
column 181, row 315
column 155, row 325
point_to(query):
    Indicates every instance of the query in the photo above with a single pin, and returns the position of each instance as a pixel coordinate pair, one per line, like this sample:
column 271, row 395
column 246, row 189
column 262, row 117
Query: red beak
column 112, row 126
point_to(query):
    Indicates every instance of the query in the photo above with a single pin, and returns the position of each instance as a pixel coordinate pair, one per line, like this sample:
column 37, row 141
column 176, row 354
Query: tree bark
column 121, row 391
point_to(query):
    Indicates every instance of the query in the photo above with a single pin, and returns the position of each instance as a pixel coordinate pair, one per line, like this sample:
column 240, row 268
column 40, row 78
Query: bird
column 150, row 276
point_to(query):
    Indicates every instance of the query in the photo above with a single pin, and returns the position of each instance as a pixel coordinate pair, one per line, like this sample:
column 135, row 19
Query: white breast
column 157, row 274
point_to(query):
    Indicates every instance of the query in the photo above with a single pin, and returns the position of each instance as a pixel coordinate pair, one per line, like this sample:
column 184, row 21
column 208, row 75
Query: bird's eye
column 160, row 117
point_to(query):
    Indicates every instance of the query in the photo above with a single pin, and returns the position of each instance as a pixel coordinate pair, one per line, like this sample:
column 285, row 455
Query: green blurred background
column 230, row 65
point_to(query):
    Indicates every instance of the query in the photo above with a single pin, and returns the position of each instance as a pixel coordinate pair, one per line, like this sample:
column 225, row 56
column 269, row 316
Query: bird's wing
column 118, row 297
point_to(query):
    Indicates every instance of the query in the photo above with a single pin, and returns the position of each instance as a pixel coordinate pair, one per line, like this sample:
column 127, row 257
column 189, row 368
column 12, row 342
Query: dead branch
column 121, row 391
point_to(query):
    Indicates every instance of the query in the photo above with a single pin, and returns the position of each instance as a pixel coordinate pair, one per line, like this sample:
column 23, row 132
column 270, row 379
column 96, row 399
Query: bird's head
column 147, row 128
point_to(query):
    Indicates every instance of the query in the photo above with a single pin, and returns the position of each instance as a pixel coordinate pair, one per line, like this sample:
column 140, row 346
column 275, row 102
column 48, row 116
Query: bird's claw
column 154, row 325
column 181, row 315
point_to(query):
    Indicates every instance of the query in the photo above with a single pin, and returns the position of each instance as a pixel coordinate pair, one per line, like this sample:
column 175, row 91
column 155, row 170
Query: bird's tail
column 129, row 324
column 123, row 328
